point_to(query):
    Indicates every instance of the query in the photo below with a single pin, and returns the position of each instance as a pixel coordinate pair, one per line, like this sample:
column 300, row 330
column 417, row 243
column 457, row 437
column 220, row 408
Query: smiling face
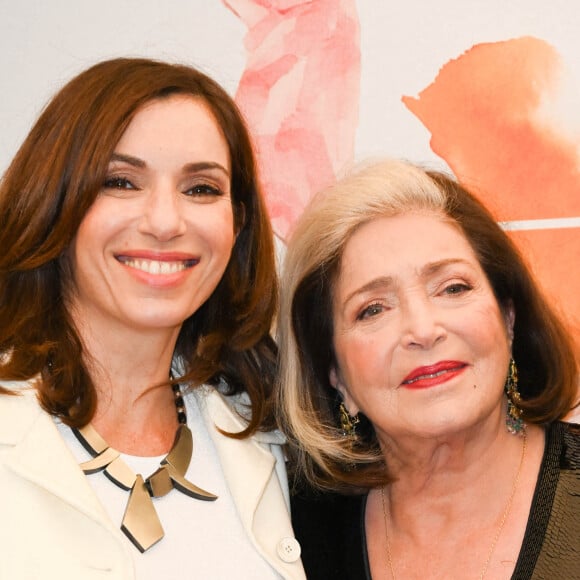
column 157, row 239
column 422, row 347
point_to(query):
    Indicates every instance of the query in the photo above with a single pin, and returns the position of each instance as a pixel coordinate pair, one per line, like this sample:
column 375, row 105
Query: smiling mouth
column 428, row 376
column 434, row 374
column 157, row 266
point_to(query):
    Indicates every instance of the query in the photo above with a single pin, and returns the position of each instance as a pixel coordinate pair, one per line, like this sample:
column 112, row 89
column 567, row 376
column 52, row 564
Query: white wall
column 44, row 43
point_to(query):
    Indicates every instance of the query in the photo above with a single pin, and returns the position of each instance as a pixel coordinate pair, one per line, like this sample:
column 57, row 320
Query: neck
column 439, row 505
column 443, row 469
column 145, row 425
column 130, row 370
column 473, row 517
column 462, row 493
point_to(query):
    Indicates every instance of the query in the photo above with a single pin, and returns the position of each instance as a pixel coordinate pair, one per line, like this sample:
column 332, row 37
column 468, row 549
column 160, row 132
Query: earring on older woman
column 514, row 422
column 348, row 422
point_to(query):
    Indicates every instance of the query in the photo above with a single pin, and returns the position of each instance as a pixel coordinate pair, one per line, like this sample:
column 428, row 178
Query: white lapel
column 36, row 452
column 249, row 468
column 238, row 456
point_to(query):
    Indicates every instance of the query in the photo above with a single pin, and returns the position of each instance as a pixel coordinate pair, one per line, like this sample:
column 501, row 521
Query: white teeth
column 155, row 266
column 422, row 377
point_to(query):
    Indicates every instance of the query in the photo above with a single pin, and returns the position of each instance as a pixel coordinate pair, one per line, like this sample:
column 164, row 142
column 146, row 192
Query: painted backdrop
column 487, row 90
column 500, row 114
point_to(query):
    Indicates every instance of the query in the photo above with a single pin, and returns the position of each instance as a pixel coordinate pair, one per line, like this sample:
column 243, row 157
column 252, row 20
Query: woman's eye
column 118, row 183
column 457, row 288
column 203, row 189
column 370, row 311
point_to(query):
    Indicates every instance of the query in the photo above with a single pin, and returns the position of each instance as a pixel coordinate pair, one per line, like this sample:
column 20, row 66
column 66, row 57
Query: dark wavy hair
column 45, row 194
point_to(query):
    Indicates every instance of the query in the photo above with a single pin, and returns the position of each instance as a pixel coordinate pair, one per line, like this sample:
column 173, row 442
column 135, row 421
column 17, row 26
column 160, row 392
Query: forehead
column 175, row 123
column 184, row 111
column 179, row 102
column 403, row 241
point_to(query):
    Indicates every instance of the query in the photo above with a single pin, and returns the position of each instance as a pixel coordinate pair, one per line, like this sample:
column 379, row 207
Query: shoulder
column 229, row 413
column 18, row 410
column 329, row 528
column 571, row 447
column 20, row 387
column 558, row 500
column 563, row 445
column 329, row 503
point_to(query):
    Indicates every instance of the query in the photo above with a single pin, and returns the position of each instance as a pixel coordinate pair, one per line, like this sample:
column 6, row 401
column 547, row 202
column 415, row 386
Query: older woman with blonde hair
column 424, row 379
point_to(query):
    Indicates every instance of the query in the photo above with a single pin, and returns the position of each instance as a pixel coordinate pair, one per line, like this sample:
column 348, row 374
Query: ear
column 338, row 384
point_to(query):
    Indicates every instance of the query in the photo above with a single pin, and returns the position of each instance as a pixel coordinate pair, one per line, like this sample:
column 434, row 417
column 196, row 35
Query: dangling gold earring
column 348, row 423
column 514, row 422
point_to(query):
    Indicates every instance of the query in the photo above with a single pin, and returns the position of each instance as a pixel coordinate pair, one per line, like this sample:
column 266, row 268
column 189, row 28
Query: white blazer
column 52, row 524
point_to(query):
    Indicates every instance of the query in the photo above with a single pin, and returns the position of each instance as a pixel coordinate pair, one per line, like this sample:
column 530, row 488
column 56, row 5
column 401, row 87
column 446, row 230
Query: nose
column 162, row 215
column 422, row 325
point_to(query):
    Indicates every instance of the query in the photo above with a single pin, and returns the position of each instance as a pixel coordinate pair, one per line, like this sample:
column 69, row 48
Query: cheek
column 216, row 227
column 491, row 345
column 491, row 328
column 105, row 219
column 365, row 366
column 90, row 242
column 364, row 361
column 223, row 241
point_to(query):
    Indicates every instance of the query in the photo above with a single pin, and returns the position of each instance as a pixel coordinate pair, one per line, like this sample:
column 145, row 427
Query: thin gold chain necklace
column 497, row 534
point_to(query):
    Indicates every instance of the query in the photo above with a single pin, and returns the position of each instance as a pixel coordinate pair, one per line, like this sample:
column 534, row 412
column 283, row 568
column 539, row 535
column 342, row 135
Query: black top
column 331, row 527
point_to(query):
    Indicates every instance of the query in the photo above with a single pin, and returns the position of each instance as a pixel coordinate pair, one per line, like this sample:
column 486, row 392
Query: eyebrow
column 374, row 284
column 435, row 267
column 189, row 167
column 129, row 159
column 385, row 281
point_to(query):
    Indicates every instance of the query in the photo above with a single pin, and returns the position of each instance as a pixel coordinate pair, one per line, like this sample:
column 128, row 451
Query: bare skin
column 423, row 350
column 135, row 408
column 149, row 252
column 445, row 508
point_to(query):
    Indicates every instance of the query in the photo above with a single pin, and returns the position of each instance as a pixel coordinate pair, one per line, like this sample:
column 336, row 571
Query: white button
column 288, row 549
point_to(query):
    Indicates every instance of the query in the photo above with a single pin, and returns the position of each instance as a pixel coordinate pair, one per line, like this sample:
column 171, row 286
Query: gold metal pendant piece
column 140, row 522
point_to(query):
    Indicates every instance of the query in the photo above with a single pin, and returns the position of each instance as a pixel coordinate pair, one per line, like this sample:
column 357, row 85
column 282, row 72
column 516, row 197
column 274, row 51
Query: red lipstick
column 158, row 269
column 156, row 255
column 432, row 375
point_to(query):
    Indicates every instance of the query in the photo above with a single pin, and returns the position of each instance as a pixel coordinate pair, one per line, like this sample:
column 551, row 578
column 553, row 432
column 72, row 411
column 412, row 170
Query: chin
column 442, row 426
column 159, row 321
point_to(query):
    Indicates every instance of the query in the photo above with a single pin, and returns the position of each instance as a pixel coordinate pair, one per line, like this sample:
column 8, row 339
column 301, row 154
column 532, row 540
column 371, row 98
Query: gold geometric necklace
column 140, row 522
column 497, row 534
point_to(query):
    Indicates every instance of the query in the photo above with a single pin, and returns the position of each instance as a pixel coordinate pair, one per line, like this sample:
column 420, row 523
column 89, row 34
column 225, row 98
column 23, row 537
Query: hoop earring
column 513, row 421
column 348, row 423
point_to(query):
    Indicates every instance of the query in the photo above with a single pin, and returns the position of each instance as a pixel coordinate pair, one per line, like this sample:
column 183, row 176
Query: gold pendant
column 140, row 522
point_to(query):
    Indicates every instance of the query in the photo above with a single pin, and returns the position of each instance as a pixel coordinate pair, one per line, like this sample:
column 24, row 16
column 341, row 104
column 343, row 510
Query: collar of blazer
column 257, row 483
column 247, row 463
column 40, row 455
column 33, row 449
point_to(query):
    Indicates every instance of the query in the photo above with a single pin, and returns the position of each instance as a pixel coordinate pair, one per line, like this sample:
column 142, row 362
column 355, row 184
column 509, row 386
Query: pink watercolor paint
column 300, row 95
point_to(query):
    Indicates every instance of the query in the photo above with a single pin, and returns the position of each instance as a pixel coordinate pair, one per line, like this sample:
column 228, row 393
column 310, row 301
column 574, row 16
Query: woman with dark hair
column 137, row 289
column 424, row 379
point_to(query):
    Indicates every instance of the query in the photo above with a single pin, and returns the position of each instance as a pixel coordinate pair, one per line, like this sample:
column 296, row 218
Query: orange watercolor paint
column 487, row 112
